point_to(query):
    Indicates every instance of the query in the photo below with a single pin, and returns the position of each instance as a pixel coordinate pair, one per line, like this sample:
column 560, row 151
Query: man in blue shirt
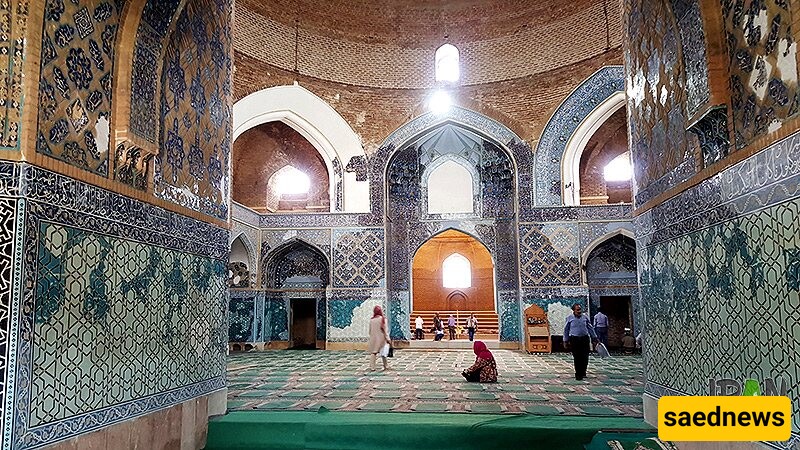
column 601, row 326
column 577, row 332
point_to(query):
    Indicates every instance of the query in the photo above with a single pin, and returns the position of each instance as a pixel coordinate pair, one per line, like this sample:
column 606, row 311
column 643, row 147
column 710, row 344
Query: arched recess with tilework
column 571, row 160
column 563, row 126
column 312, row 117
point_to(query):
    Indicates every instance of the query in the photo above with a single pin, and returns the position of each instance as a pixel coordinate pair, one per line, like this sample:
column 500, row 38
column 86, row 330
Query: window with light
column 619, row 169
column 290, row 181
column 456, row 272
column 447, row 63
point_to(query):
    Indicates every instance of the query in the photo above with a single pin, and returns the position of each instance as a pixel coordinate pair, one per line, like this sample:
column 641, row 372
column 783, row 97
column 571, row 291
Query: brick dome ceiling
column 391, row 44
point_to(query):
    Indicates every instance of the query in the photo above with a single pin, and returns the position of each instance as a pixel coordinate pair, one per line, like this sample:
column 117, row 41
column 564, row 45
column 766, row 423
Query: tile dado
column 101, row 305
column 713, row 258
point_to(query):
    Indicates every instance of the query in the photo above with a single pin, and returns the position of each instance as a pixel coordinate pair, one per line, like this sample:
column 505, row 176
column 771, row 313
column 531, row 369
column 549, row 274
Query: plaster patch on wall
column 359, row 327
column 557, row 314
column 787, row 60
column 101, row 131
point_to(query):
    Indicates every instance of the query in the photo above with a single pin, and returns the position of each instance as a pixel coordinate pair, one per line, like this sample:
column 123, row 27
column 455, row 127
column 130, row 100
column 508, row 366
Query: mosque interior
column 283, row 167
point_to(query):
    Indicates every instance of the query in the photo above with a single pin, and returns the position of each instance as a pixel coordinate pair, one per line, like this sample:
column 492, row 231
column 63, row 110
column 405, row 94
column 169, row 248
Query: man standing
column 418, row 329
column 438, row 333
column 577, row 332
column 451, row 326
column 601, row 326
column 472, row 326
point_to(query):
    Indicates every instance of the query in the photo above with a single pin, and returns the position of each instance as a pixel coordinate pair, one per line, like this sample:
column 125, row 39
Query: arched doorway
column 297, row 275
column 426, row 153
column 613, row 286
column 453, row 273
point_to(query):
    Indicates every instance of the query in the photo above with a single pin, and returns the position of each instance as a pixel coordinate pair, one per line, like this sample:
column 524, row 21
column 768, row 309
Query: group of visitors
column 484, row 370
column 579, row 333
column 438, row 327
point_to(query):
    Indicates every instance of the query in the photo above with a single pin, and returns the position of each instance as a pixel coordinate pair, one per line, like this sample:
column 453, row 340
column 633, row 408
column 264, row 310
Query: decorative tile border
column 768, row 178
column 573, row 110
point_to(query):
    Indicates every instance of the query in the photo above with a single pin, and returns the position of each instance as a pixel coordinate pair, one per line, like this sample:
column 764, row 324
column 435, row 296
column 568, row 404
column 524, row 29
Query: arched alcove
column 571, row 125
column 611, row 276
column 323, row 127
column 433, row 286
column 239, row 265
column 296, row 258
column 593, row 142
column 450, row 189
column 262, row 154
column 401, row 165
column 296, row 276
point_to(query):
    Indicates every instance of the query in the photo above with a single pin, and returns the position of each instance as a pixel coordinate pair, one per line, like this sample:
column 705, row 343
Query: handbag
column 385, row 350
column 391, row 351
column 602, row 350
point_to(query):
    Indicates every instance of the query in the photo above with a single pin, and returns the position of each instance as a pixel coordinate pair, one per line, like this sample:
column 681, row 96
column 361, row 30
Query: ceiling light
column 439, row 102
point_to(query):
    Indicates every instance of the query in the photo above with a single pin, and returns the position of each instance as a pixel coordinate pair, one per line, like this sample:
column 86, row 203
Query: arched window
column 456, row 272
column 290, row 181
column 447, row 63
column 619, row 169
column 450, row 189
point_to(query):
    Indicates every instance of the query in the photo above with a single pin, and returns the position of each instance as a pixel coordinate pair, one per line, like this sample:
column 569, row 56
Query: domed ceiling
column 391, row 44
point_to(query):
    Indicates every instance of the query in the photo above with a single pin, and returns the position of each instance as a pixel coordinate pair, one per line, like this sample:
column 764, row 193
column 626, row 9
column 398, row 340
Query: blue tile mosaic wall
column 549, row 254
column 693, row 44
column 657, row 98
column 573, row 110
column 14, row 21
column 256, row 316
column 192, row 167
column 718, row 272
column 759, row 107
column 75, row 86
column 156, row 17
column 358, row 258
column 11, row 216
column 142, row 293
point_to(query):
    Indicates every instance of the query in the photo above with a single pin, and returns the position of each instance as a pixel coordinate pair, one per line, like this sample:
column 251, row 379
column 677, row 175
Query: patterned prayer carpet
column 422, row 381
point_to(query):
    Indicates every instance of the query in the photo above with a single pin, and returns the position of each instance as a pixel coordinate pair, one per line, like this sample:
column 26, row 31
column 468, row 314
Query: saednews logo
column 724, row 418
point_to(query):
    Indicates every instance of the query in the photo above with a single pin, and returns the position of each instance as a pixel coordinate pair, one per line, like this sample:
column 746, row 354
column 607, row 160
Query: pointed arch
column 466, row 201
column 596, row 243
column 606, row 82
column 252, row 258
column 571, row 161
column 320, row 124
column 294, row 257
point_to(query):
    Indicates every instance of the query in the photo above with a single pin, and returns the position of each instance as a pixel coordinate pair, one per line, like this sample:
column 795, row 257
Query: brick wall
column 392, row 46
column 260, row 152
column 524, row 104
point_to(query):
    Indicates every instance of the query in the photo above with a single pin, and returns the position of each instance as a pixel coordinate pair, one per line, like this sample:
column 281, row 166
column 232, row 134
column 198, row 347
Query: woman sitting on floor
column 485, row 369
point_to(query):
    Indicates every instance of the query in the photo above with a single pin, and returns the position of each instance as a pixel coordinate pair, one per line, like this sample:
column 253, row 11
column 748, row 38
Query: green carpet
column 367, row 430
column 299, row 380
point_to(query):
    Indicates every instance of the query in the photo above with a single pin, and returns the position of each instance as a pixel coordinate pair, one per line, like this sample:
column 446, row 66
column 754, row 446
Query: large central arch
column 399, row 168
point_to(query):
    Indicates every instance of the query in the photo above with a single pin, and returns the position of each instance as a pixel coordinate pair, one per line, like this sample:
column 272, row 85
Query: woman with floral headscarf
column 485, row 369
column 378, row 337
